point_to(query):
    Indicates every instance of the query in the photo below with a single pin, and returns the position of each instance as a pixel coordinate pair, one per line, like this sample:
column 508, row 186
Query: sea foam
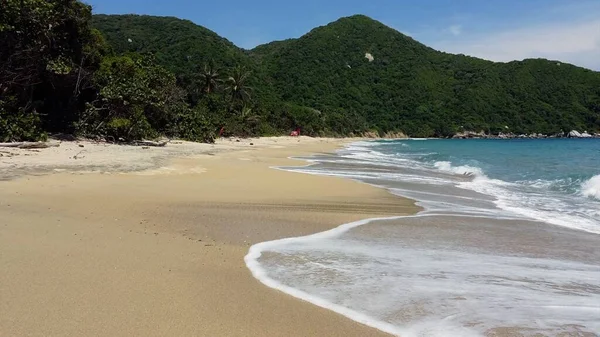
column 446, row 289
column 591, row 188
column 261, row 274
column 446, row 166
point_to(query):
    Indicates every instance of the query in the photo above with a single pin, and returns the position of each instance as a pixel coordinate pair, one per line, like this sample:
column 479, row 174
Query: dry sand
column 160, row 252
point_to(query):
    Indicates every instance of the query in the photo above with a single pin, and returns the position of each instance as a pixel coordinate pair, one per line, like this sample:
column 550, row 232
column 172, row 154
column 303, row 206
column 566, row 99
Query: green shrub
column 193, row 125
column 18, row 125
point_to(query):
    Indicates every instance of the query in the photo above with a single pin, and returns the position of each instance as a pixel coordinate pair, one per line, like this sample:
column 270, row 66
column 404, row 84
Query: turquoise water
column 562, row 165
column 507, row 244
column 553, row 180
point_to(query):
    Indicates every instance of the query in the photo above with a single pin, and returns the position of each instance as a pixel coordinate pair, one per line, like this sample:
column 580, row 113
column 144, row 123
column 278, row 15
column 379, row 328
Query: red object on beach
column 221, row 131
column 295, row 133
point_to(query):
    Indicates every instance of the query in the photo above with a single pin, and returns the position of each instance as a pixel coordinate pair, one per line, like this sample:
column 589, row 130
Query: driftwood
column 150, row 143
column 31, row 145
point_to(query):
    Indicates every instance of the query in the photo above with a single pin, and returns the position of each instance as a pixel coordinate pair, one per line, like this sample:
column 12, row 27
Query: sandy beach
column 125, row 241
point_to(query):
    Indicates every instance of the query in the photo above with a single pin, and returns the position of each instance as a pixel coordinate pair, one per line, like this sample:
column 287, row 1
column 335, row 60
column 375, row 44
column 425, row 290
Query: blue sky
column 500, row 30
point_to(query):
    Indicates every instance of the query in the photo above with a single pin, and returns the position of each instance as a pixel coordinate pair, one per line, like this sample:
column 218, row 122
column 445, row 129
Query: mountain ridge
column 406, row 86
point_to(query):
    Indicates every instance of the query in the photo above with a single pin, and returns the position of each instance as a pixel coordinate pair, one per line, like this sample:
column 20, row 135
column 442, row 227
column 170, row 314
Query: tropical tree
column 136, row 98
column 48, row 52
column 210, row 79
column 237, row 89
column 249, row 116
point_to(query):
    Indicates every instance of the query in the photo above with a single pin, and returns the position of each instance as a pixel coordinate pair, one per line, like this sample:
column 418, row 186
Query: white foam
column 591, row 188
column 261, row 274
column 414, row 292
column 446, row 166
column 564, row 211
column 496, row 289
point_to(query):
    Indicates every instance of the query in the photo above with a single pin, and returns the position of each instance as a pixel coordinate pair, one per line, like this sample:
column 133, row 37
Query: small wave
column 463, row 170
column 569, row 185
column 591, row 188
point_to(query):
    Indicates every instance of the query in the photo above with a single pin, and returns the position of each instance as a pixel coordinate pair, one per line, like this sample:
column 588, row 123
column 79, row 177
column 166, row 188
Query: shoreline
column 83, row 232
column 259, row 273
column 509, row 241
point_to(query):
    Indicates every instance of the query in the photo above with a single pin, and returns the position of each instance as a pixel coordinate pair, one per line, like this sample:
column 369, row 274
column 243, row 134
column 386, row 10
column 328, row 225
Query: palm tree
column 236, row 85
column 210, row 78
column 248, row 115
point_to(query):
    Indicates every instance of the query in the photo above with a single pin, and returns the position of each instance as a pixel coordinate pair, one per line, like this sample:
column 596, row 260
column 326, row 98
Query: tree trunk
column 31, row 145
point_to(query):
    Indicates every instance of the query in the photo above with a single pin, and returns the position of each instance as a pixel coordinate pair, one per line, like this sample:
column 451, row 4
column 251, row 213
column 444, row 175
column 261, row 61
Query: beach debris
column 151, row 143
column 369, row 57
column 251, row 143
column 31, row 145
column 81, row 145
column 77, row 155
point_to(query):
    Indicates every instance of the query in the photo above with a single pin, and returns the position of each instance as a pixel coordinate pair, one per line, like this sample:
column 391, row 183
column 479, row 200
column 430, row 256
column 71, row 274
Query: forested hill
column 406, row 86
column 180, row 45
column 123, row 78
column 421, row 91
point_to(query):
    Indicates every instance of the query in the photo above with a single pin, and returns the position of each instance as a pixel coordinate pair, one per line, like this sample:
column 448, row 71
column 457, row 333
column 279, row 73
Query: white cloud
column 576, row 42
column 455, row 30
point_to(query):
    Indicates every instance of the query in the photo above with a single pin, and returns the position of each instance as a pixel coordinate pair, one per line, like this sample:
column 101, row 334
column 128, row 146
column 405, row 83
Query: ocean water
column 507, row 244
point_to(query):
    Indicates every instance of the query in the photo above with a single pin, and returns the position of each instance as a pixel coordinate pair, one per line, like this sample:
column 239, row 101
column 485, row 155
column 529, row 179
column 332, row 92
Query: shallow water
column 504, row 247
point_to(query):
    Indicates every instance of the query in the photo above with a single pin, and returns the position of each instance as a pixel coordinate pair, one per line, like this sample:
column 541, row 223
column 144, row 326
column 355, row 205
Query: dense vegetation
column 124, row 78
column 423, row 92
column 323, row 82
column 57, row 74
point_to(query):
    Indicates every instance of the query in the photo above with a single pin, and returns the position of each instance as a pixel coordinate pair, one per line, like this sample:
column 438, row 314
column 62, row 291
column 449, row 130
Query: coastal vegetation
column 125, row 78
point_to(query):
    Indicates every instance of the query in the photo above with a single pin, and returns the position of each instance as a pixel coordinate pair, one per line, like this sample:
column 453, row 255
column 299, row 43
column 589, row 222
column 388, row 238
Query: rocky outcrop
column 387, row 135
column 395, row 135
column 584, row 134
column 501, row 135
column 483, row 135
column 370, row 134
column 470, row 135
column 574, row 134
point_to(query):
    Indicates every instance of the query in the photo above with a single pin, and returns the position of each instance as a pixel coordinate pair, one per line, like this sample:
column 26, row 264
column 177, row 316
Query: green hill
column 405, row 86
column 410, row 87
column 179, row 45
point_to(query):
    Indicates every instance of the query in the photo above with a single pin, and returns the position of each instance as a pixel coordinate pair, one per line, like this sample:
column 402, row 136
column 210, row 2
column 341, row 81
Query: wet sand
column 160, row 252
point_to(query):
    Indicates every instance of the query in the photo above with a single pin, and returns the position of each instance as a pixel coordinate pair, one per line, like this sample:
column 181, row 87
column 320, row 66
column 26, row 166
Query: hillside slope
column 361, row 69
column 179, row 45
column 411, row 87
